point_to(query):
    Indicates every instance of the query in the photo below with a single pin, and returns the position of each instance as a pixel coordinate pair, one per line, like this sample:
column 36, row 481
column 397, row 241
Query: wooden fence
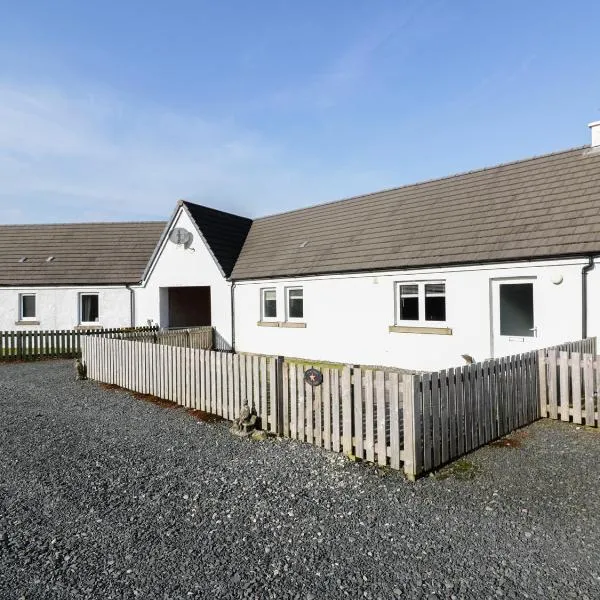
column 199, row 338
column 458, row 410
column 570, row 386
column 353, row 411
column 65, row 343
column 414, row 422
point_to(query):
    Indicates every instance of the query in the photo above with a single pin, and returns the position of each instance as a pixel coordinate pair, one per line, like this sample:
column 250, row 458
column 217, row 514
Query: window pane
column 89, row 308
column 435, row 302
column 269, row 304
column 435, row 308
column 409, row 308
column 435, row 288
column 296, row 304
column 409, row 290
column 516, row 309
column 409, row 302
column 28, row 307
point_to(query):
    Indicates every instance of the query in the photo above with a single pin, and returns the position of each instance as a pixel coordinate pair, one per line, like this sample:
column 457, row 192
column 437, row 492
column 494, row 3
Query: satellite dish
column 181, row 237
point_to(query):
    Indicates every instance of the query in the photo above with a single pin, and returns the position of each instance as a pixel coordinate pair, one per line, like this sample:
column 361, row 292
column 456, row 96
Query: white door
column 514, row 327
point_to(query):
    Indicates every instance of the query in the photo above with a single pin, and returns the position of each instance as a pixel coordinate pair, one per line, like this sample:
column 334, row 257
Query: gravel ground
column 103, row 495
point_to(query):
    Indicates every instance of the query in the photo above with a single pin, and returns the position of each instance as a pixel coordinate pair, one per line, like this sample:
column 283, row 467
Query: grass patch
column 461, row 469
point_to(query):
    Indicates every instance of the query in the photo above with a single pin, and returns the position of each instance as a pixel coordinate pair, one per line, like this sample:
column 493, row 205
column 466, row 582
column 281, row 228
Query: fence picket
column 588, row 379
column 369, row 416
column 576, row 386
column 335, row 409
column 294, row 401
column 444, row 417
column 436, row 432
column 264, row 406
column 317, row 408
column 564, row 385
column 381, row 418
column 326, row 398
column 301, row 415
column 274, row 418
column 395, row 433
column 359, row 443
column 347, row 410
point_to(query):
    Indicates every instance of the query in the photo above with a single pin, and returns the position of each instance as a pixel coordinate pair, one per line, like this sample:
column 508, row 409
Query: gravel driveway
column 103, row 495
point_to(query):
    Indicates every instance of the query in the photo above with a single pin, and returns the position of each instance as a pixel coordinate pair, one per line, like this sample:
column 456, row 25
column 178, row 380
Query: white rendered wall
column 180, row 267
column 347, row 317
column 58, row 308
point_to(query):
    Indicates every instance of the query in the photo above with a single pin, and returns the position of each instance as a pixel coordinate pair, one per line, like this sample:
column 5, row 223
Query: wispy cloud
column 96, row 154
column 79, row 155
column 354, row 63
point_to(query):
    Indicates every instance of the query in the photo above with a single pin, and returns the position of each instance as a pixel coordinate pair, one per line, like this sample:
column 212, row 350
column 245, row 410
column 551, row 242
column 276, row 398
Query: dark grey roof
column 84, row 253
column 224, row 233
column 539, row 207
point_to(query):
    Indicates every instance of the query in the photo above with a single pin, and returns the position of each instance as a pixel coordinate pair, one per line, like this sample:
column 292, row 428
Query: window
column 516, row 309
column 269, row 304
column 27, row 310
column 421, row 302
column 295, row 303
column 88, row 308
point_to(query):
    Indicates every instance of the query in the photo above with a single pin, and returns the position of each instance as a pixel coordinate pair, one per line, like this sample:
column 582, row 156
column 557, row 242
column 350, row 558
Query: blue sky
column 114, row 110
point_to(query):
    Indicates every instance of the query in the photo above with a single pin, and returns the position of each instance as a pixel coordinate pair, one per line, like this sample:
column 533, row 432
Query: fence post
column 413, row 439
column 279, row 394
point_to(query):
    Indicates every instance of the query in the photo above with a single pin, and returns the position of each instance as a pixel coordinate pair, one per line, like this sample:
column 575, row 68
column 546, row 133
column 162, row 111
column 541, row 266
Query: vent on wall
column 50, row 259
column 23, row 259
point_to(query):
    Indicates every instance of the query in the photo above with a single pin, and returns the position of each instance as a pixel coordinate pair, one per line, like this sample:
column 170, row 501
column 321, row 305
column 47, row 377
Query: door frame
column 509, row 279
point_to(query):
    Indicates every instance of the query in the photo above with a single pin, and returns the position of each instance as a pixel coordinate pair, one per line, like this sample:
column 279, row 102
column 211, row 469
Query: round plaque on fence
column 313, row 377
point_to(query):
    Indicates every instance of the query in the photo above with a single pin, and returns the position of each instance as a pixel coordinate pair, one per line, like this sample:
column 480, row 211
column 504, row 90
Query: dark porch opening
column 189, row 306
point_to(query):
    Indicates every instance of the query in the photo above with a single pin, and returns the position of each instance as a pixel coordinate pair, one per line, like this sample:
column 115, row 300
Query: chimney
column 595, row 128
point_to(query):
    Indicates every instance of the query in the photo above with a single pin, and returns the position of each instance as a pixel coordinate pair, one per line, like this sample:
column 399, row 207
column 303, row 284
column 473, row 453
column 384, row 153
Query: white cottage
column 483, row 264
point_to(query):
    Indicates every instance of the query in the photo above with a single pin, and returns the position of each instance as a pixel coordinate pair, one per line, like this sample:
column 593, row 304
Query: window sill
column 27, row 322
column 90, row 326
column 293, row 324
column 288, row 324
column 420, row 329
column 268, row 323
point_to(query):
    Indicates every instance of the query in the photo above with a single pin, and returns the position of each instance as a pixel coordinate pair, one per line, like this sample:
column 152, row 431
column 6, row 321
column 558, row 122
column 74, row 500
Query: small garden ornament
column 246, row 423
column 81, row 370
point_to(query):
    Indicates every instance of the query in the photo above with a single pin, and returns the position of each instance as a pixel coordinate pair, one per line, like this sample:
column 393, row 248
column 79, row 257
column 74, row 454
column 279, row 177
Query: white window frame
column 288, row 318
column 421, row 322
column 263, row 316
column 22, row 317
column 80, row 308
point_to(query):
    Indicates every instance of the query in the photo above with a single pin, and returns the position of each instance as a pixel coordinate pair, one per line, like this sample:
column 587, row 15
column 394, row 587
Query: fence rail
column 63, row 343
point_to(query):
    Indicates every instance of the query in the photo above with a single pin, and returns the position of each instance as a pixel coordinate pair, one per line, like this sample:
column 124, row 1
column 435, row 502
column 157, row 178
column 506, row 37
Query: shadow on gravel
column 199, row 415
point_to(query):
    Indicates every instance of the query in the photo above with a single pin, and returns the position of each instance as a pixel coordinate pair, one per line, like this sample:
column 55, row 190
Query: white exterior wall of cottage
column 348, row 317
column 176, row 266
column 59, row 307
